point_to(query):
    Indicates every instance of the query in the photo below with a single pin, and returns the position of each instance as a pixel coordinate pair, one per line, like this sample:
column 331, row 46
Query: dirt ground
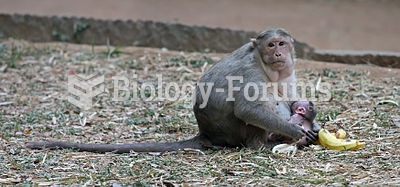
column 34, row 106
column 354, row 24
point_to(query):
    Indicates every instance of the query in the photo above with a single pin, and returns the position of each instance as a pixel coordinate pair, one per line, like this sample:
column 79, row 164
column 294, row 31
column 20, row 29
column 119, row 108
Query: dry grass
column 33, row 106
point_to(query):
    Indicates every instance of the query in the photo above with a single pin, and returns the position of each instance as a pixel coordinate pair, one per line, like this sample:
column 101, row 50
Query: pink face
column 300, row 110
column 305, row 109
column 278, row 52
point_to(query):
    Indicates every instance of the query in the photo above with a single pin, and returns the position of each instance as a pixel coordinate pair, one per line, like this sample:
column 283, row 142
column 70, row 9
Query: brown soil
column 34, row 106
column 360, row 25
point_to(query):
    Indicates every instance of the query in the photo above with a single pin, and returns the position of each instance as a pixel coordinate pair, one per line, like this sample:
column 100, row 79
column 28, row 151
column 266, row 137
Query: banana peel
column 285, row 149
column 335, row 141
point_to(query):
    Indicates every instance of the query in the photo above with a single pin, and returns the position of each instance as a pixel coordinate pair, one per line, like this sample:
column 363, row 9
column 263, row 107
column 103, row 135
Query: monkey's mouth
column 279, row 63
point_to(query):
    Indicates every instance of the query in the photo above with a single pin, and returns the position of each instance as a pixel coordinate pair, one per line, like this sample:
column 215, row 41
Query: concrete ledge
column 380, row 58
column 160, row 35
column 128, row 33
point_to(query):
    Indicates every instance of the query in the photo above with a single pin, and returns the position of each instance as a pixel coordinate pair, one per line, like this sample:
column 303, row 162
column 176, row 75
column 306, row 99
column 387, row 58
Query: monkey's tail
column 194, row 143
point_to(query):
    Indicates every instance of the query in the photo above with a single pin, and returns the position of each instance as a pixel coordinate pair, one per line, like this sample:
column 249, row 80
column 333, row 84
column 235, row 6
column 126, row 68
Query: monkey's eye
column 310, row 108
column 281, row 43
column 271, row 45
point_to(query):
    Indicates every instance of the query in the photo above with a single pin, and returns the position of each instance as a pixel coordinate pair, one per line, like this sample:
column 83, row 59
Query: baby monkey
column 303, row 114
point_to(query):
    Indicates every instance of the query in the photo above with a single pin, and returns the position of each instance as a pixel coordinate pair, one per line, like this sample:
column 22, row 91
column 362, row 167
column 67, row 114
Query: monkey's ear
column 254, row 41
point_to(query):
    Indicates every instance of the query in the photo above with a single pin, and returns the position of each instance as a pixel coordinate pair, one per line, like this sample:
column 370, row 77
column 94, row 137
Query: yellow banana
column 359, row 145
column 340, row 134
column 330, row 141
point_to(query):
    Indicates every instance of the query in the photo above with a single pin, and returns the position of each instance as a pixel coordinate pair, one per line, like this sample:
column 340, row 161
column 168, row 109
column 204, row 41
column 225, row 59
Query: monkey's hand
column 311, row 136
column 297, row 131
column 316, row 127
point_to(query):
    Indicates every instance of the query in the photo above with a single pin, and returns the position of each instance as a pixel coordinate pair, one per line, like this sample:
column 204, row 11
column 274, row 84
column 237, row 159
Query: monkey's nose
column 278, row 54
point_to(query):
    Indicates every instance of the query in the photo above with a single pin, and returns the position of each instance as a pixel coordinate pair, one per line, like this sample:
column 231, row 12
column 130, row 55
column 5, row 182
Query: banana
column 340, row 134
column 330, row 141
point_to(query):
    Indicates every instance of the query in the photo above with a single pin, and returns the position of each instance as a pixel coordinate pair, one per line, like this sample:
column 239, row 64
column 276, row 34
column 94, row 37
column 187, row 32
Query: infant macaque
column 303, row 114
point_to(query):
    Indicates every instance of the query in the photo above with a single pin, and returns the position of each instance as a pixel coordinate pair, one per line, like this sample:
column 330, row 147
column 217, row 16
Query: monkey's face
column 277, row 52
column 304, row 108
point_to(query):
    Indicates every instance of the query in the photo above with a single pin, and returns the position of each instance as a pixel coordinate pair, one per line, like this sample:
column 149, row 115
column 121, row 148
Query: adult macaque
column 304, row 114
column 225, row 116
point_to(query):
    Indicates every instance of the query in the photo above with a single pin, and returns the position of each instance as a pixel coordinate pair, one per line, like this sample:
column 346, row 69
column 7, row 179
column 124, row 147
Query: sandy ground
column 360, row 25
column 34, row 107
